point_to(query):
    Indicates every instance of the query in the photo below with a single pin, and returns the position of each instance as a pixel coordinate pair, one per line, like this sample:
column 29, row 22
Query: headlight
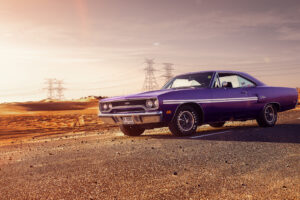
column 110, row 106
column 149, row 103
column 152, row 103
column 105, row 106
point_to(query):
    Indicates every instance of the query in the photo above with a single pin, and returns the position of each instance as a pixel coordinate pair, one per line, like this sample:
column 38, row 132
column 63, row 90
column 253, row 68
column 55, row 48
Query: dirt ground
column 36, row 119
column 238, row 161
column 69, row 153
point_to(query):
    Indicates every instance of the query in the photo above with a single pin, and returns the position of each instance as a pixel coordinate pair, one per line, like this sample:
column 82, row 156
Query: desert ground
column 61, row 150
column 36, row 119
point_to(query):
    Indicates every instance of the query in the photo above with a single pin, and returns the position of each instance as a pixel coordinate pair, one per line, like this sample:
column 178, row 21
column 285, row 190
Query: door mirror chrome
column 224, row 84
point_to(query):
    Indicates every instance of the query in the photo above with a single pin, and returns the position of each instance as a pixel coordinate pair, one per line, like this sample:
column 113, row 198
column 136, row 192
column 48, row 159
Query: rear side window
column 244, row 82
column 235, row 81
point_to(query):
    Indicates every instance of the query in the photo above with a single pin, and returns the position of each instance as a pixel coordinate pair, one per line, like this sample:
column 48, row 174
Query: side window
column 235, row 81
column 245, row 83
column 231, row 79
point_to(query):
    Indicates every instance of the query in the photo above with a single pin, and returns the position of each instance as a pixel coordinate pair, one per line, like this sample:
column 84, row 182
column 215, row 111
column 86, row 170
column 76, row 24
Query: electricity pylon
column 60, row 89
column 168, row 67
column 50, row 87
column 150, row 80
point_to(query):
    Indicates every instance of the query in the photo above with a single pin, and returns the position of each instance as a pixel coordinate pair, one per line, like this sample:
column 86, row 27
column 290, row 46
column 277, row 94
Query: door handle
column 244, row 92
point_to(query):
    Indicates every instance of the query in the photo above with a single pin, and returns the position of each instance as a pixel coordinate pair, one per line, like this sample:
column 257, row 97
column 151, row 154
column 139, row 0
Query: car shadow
column 281, row 133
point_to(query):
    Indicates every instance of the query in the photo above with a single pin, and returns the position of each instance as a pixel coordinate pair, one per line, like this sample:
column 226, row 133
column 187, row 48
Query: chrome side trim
column 211, row 100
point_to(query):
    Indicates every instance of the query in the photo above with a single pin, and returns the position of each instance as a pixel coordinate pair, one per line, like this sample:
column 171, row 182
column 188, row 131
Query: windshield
column 201, row 80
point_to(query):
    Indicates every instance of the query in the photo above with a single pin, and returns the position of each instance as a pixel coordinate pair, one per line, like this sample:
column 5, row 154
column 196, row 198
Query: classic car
column 190, row 100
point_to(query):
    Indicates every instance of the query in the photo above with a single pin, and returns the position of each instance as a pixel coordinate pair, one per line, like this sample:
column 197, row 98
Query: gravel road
column 239, row 161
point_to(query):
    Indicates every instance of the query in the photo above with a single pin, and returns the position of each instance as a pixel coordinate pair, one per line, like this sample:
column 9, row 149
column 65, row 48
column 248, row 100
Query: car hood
column 150, row 94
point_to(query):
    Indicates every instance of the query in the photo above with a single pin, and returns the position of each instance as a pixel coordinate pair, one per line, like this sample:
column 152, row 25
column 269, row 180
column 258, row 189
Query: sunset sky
column 98, row 47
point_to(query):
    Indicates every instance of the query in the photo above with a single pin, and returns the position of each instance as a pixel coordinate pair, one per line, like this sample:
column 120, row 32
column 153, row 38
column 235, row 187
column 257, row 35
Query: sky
column 99, row 47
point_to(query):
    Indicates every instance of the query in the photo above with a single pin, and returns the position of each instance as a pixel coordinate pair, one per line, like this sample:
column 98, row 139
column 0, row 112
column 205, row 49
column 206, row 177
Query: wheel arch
column 275, row 104
column 196, row 106
column 261, row 119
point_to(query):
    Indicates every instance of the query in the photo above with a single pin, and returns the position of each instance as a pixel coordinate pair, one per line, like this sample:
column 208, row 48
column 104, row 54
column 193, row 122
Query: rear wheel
column 217, row 124
column 268, row 116
column 132, row 130
column 185, row 121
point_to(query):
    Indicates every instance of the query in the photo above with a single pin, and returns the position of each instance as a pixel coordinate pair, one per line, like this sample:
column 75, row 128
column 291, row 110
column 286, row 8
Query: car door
column 254, row 107
column 232, row 101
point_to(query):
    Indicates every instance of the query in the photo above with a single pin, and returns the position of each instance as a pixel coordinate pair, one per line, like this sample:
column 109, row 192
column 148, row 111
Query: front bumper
column 136, row 118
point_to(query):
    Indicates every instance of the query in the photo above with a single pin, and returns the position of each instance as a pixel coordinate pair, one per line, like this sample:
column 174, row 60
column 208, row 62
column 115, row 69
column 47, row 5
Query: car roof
column 243, row 74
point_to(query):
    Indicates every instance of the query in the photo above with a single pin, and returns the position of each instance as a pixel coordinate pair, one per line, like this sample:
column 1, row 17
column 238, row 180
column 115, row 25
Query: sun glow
column 98, row 47
column 82, row 12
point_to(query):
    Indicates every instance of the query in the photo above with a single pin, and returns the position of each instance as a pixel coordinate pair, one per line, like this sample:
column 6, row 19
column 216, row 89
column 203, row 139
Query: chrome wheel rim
column 270, row 114
column 186, row 121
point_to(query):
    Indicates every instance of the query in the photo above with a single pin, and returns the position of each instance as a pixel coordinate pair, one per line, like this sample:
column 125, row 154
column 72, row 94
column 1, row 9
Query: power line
column 150, row 80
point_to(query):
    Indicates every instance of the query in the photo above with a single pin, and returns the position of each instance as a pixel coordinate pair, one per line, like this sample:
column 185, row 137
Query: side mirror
column 224, row 84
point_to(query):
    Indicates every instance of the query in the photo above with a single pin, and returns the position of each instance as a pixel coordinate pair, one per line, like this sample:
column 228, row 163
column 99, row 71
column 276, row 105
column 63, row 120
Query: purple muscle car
column 194, row 99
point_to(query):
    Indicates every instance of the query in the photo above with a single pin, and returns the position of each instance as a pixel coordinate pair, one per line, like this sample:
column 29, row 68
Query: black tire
column 185, row 122
column 217, row 124
column 132, row 130
column 268, row 116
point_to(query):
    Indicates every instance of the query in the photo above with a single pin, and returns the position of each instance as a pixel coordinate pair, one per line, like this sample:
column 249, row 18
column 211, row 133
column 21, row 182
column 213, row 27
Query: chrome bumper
column 137, row 118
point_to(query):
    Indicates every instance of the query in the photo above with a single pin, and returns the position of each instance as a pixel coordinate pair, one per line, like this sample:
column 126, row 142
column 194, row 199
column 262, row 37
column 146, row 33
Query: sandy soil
column 36, row 119
column 242, row 162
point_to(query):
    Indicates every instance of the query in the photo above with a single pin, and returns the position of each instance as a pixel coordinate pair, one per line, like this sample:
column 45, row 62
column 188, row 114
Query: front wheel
column 268, row 116
column 185, row 121
column 132, row 130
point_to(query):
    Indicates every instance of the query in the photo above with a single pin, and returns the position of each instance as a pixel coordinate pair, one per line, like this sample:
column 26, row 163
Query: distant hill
column 54, row 106
column 50, row 105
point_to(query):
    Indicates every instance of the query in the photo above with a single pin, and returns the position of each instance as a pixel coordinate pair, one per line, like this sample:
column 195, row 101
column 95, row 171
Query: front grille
column 129, row 103
column 125, row 110
column 122, row 106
